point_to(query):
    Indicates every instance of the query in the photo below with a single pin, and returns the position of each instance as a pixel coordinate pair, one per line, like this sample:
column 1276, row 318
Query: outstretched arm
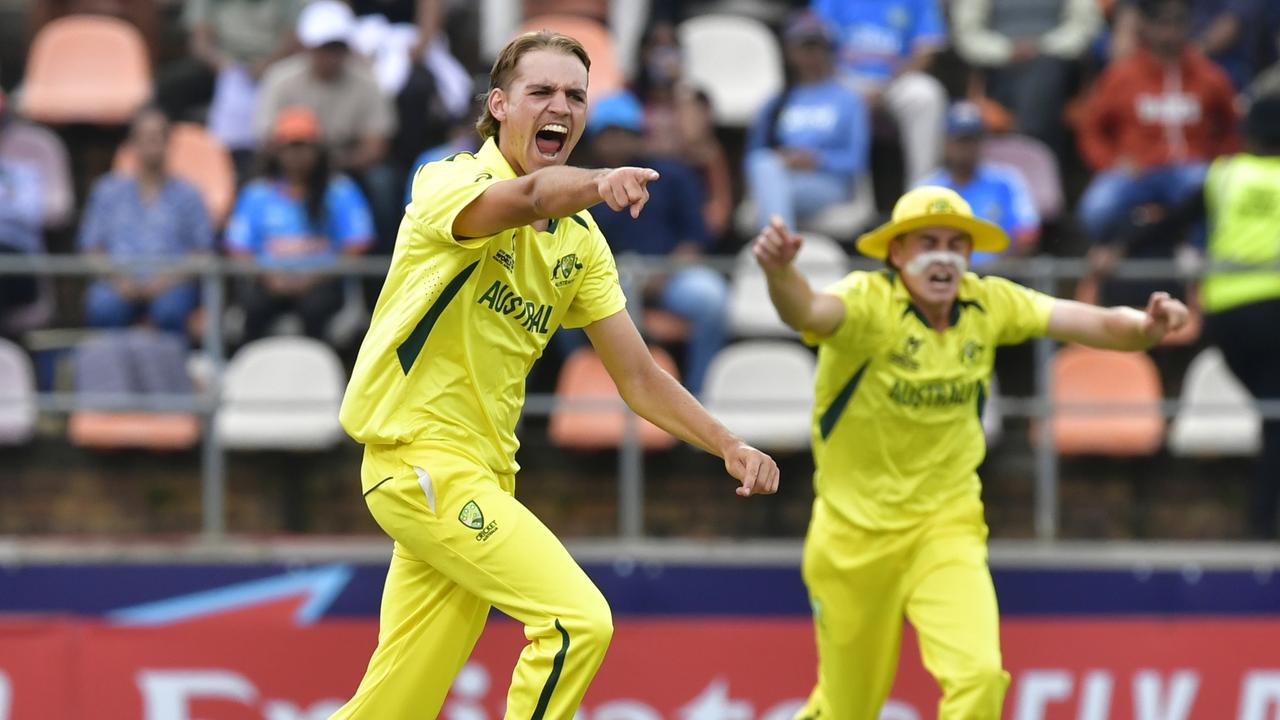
column 798, row 305
column 1117, row 328
column 658, row 398
column 553, row 192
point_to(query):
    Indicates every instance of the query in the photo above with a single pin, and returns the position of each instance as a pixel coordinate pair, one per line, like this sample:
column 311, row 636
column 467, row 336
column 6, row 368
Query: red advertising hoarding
column 695, row 669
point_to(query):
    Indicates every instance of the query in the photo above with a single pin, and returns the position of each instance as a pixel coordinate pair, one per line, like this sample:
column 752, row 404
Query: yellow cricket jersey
column 460, row 322
column 896, row 425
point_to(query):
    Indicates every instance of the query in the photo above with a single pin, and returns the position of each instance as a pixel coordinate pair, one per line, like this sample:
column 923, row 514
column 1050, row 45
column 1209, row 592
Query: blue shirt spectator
column 271, row 224
column 825, row 118
column 998, row 193
column 122, row 223
column 810, row 143
column 874, row 36
column 147, row 215
column 884, row 48
column 21, row 207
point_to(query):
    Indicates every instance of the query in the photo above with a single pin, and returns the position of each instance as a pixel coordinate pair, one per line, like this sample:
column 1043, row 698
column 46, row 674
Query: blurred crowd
column 288, row 132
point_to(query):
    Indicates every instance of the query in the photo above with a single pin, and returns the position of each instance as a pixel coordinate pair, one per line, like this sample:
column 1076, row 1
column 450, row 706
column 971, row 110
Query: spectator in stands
column 150, row 216
column 299, row 215
column 231, row 44
column 671, row 226
column 1229, row 32
column 997, row 193
column 1154, row 121
column 810, row 144
column 21, row 219
column 359, row 120
column 1240, row 199
column 678, row 121
column 1028, row 49
column 886, row 48
column 410, row 58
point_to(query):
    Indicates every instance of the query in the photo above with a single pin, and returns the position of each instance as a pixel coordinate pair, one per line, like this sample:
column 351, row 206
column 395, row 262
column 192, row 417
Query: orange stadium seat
column 86, row 68
column 584, row 377
column 114, row 430
column 199, row 158
column 605, row 76
column 1124, row 390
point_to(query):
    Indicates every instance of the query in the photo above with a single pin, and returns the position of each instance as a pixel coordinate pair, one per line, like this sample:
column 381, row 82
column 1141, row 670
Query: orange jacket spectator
column 1145, row 114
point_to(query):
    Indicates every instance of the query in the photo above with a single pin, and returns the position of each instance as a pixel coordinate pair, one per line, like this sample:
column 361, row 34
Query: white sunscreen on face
column 921, row 262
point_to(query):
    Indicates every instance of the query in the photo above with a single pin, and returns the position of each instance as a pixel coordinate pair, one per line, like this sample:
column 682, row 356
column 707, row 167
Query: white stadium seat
column 736, row 60
column 1216, row 416
column 282, row 393
column 17, row 395
column 751, row 313
column 763, row 391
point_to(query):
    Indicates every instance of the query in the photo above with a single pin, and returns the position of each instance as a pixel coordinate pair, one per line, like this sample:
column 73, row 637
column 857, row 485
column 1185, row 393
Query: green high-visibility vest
column 1242, row 199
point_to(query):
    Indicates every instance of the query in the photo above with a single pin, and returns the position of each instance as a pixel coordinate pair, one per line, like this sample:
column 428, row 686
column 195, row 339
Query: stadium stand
column 282, row 393
column 737, row 61
column 17, row 395
column 1216, row 416
column 762, row 390
column 1121, row 392
column 86, row 68
column 583, row 377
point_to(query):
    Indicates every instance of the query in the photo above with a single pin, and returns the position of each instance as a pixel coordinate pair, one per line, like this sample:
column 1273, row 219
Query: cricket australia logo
column 562, row 273
column 972, row 352
column 471, row 516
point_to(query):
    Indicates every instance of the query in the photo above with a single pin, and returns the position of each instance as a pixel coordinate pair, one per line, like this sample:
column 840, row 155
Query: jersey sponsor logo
column 471, row 516
column 531, row 316
column 935, row 394
column 483, row 176
column 906, row 356
column 563, row 272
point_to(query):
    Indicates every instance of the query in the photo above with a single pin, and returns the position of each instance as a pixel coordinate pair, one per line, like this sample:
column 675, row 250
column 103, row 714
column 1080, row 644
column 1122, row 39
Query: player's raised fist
column 776, row 246
column 626, row 187
column 1164, row 315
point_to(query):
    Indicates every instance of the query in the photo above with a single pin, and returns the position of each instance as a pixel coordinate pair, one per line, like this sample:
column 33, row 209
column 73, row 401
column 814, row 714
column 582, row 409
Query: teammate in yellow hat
column 495, row 252
column 904, row 366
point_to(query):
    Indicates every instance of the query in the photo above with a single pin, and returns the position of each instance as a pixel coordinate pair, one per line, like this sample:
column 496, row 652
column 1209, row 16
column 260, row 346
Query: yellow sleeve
column 853, row 290
column 1019, row 312
column 440, row 191
column 600, row 294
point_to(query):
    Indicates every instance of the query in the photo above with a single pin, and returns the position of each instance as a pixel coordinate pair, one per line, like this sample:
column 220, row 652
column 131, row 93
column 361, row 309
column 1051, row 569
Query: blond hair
column 505, row 66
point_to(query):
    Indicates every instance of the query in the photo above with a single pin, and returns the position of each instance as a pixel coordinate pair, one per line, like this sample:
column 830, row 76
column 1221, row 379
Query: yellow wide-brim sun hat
column 933, row 206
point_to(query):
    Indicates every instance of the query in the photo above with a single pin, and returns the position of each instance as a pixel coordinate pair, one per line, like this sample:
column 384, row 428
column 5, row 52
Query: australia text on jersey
column 504, row 300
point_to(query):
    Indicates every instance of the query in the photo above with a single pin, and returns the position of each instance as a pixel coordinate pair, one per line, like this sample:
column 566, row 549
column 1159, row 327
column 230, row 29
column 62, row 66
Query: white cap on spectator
column 324, row 22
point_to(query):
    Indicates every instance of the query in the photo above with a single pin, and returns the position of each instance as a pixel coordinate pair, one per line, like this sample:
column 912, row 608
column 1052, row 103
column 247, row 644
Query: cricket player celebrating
column 904, row 362
column 495, row 252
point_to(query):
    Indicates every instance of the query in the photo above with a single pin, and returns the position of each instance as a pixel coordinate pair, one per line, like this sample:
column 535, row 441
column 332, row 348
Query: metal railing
column 1043, row 274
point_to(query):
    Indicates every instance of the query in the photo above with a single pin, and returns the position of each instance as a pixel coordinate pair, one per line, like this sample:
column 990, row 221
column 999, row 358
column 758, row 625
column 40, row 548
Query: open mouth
column 941, row 279
column 550, row 139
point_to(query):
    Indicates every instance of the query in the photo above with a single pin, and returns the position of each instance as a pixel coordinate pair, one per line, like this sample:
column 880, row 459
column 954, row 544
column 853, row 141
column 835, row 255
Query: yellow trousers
column 462, row 544
column 861, row 583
